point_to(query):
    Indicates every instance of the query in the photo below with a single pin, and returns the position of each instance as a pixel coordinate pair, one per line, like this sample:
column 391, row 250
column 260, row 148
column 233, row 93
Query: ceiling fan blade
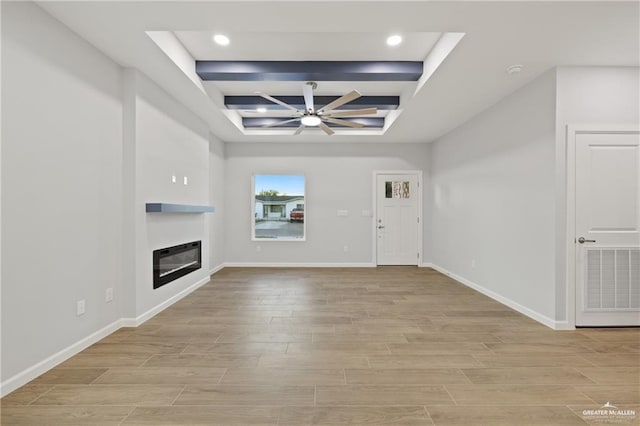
column 307, row 91
column 351, row 96
column 353, row 112
column 278, row 123
column 276, row 101
column 353, row 124
column 326, row 129
column 300, row 129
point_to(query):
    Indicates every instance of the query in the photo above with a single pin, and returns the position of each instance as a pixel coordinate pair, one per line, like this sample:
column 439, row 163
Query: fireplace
column 171, row 263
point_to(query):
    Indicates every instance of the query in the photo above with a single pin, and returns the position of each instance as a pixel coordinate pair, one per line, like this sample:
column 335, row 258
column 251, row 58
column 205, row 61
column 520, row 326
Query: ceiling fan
column 312, row 117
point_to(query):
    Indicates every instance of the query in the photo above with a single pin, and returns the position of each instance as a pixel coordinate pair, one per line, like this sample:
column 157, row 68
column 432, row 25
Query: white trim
column 570, row 144
column 253, row 210
column 47, row 364
column 298, row 265
column 140, row 319
column 563, row 325
column 216, row 269
column 374, row 239
column 129, row 322
column 373, row 222
column 543, row 319
column 42, row 367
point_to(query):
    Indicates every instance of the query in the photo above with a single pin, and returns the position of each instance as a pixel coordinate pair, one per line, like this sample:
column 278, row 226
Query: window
column 278, row 208
column 396, row 189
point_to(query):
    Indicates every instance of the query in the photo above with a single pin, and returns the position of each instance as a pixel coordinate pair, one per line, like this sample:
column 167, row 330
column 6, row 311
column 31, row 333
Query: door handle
column 582, row 240
column 380, row 226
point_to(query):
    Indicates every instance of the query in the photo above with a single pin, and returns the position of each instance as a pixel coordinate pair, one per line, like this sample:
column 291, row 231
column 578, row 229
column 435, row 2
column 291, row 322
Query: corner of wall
column 427, row 197
column 492, row 180
column 533, row 314
column 129, row 193
column 217, row 189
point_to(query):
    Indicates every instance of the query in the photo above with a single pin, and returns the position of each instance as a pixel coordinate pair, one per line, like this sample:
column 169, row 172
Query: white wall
column 338, row 177
column 587, row 95
column 85, row 146
column 491, row 199
column 169, row 141
column 61, row 187
column 217, row 189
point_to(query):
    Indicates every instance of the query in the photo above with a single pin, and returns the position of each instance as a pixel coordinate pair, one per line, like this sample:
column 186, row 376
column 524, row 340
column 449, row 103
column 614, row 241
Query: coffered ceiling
column 275, row 68
column 462, row 48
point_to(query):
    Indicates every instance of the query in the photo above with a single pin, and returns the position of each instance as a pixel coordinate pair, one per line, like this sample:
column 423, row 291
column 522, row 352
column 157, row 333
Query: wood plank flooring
column 388, row 345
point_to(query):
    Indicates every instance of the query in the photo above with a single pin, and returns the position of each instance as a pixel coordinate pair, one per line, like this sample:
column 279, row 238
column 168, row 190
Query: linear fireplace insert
column 171, row 263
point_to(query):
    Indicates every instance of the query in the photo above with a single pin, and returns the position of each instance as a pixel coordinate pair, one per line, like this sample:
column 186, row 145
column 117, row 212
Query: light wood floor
column 392, row 345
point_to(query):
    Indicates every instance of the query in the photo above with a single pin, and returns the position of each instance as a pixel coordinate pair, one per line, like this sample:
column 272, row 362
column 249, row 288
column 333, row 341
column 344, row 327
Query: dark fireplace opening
column 171, row 263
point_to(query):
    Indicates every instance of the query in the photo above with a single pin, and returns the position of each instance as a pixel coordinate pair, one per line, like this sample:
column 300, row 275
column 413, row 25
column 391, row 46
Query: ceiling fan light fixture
column 311, row 120
column 394, row 40
column 221, row 39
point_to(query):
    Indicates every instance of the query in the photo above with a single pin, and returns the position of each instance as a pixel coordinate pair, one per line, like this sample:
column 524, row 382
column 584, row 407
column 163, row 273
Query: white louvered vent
column 613, row 279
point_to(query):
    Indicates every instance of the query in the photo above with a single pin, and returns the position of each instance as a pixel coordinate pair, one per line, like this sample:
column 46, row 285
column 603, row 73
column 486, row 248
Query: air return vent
column 613, row 279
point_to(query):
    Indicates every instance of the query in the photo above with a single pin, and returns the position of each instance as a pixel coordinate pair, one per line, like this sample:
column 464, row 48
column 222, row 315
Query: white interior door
column 607, row 229
column 397, row 219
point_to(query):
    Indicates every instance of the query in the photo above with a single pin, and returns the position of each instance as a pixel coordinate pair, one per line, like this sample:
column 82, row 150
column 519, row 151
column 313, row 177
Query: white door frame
column 418, row 174
column 572, row 131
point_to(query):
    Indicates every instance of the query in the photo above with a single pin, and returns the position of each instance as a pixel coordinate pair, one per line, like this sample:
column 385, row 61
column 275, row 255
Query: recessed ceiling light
column 514, row 69
column 261, row 110
column 310, row 120
column 394, row 40
column 221, row 39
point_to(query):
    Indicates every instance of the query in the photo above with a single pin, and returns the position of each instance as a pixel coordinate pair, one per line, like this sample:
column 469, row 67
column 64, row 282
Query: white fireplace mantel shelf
column 177, row 208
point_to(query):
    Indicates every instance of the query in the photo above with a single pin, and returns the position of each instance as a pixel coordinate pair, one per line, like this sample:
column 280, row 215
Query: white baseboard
column 140, row 319
column 129, row 322
column 543, row 319
column 298, row 265
column 216, row 269
column 36, row 370
column 563, row 325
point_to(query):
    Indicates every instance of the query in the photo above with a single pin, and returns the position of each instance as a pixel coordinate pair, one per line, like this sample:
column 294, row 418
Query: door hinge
column 418, row 255
column 418, row 220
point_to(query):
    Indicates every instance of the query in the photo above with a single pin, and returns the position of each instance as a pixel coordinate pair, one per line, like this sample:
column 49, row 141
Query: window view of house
column 278, row 207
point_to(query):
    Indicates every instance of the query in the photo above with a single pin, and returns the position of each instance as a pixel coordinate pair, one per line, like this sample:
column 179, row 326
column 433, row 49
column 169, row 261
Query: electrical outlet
column 473, row 263
column 343, row 213
column 80, row 308
column 185, row 180
column 345, row 249
column 108, row 295
column 258, row 248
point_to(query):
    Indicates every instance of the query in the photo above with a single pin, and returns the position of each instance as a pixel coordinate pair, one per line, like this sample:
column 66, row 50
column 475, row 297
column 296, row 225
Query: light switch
column 173, row 179
column 366, row 213
column 185, row 180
